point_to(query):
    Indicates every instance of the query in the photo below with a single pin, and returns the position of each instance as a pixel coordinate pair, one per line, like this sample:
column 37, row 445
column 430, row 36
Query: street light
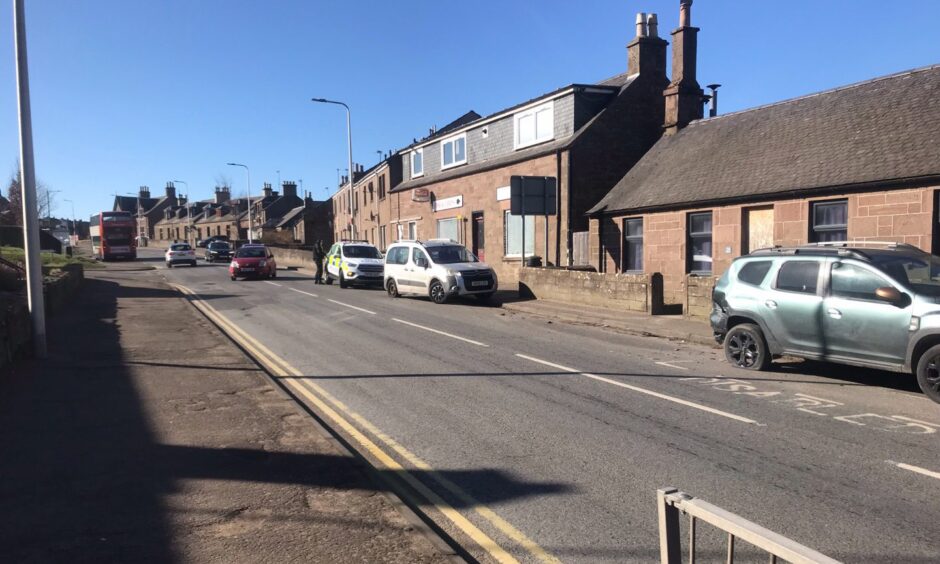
column 348, row 136
column 189, row 211
column 248, row 172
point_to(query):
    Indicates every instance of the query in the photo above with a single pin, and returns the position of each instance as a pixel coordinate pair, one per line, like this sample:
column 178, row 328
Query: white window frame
column 532, row 112
column 413, row 230
column 454, row 139
column 529, row 241
column 456, row 227
column 413, row 153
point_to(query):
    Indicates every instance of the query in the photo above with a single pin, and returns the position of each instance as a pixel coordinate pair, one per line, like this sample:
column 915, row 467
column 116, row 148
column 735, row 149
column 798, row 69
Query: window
column 454, row 151
column 535, row 125
column 798, row 276
column 382, row 187
column 397, row 255
column 830, row 220
column 417, row 163
column 418, row 254
column 512, row 235
column 448, row 229
column 412, row 230
column 754, row 272
column 371, row 193
column 699, row 243
column 633, row 244
column 855, row 283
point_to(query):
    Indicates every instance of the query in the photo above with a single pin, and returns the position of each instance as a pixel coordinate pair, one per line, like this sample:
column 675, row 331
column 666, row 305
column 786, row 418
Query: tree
column 45, row 200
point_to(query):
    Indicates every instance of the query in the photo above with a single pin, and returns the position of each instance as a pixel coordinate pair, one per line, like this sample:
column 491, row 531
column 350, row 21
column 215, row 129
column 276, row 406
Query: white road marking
column 452, row 336
column 302, row 292
column 659, row 395
column 917, row 469
column 672, row 365
column 352, row 307
column 273, row 283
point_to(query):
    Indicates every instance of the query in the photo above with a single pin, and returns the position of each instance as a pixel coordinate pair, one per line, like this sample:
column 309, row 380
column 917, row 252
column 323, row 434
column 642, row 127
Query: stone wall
column 625, row 292
column 60, row 285
column 698, row 296
column 301, row 258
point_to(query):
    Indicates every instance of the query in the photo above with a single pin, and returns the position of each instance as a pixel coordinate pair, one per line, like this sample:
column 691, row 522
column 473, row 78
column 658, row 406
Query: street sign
column 533, row 195
column 420, row 195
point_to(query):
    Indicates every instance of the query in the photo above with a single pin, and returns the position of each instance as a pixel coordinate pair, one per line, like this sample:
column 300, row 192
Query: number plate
column 480, row 283
column 248, row 269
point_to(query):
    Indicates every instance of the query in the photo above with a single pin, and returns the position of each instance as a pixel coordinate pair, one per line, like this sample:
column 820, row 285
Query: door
column 859, row 324
column 332, row 261
column 792, row 309
column 420, row 271
column 759, row 229
column 477, row 236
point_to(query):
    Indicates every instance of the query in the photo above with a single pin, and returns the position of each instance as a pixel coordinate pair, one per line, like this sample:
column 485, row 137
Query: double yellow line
column 340, row 415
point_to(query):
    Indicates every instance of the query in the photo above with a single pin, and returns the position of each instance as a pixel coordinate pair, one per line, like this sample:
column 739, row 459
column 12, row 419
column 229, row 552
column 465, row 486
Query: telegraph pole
column 37, row 310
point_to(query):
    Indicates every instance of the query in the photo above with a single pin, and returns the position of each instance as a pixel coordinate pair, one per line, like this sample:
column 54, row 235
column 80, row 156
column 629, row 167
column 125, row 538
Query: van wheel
column 746, row 348
column 928, row 373
column 342, row 281
column 392, row 289
column 437, row 293
column 329, row 280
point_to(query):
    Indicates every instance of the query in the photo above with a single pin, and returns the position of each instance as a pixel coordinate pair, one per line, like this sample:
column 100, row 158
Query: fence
column 671, row 502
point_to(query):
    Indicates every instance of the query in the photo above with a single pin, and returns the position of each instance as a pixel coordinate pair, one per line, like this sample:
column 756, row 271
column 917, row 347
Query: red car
column 253, row 261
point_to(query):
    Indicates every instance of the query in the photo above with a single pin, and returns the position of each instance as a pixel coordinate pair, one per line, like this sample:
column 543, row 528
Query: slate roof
column 129, row 203
column 885, row 130
column 289, row 218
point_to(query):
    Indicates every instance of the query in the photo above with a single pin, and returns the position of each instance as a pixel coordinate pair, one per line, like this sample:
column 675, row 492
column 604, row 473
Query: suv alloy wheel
column 928, row 373
column 745, row 347
column 437, row 293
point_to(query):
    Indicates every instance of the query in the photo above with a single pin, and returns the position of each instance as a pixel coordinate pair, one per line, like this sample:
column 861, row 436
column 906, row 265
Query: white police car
column 354, row 262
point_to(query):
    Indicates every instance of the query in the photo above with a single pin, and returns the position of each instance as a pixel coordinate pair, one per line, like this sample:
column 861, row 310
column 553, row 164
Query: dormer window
column 454, row 151
column 535, row 125
column 417, row 163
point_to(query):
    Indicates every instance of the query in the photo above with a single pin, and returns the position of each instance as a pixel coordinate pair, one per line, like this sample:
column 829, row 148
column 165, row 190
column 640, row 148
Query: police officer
column 318, row 256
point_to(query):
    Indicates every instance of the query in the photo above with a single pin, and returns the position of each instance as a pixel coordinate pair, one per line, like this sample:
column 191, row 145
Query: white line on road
column 464, row 339
column 672, row 365
column 643, row 391
column 917, row 469
column 273, row 283
column 352, row 307
column 302, row 292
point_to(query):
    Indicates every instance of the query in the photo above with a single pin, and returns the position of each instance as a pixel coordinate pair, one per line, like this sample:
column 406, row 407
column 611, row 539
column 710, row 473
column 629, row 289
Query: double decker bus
column 112, row 235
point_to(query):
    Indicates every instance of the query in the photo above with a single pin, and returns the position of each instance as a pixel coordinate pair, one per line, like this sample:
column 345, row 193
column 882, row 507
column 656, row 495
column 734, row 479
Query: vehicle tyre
column 234, row 278
column 329, row 280
column 746, row 348
column 192, row 263
column 392, row 289
column 169, row 265
column 342, row 281
column 437, row 293
column 928, row 373
column 274, row 273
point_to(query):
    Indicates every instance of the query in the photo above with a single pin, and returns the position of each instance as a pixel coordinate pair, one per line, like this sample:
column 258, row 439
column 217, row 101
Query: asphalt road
column 551, row 439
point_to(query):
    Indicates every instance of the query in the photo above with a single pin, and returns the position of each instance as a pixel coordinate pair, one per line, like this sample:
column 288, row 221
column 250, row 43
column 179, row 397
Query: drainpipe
column 567, row 204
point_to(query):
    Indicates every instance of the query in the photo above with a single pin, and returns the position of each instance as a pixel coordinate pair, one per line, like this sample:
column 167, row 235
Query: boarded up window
column 759, row 229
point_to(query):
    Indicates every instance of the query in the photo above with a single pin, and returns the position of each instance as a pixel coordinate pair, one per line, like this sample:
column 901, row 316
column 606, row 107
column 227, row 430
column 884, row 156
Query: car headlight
column 234, row 264
column 351, row 265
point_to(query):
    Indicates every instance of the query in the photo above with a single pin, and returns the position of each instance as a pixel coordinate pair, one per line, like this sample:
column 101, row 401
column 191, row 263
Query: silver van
column 439, row 269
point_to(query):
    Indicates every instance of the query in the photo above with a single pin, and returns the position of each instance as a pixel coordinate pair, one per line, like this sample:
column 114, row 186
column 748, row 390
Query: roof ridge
column 900, row 74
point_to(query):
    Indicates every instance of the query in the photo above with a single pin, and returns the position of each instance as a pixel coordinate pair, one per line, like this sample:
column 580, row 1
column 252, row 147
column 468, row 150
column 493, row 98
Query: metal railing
column 671, row 502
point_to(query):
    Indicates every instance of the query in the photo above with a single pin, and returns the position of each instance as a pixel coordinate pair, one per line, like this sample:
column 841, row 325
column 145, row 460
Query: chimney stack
column 289, row 189
column 222, row 194
column 171, row 190
column 646, row 54
column 266, row 191
column 684, row 95
column 144, row 192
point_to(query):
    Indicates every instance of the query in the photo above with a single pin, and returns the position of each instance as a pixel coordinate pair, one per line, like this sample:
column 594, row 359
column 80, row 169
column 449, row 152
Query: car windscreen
column 920, row 273
column 180, row 247
column 219, row 246
column 252, row 252
column 361, row 251
column 450, row 254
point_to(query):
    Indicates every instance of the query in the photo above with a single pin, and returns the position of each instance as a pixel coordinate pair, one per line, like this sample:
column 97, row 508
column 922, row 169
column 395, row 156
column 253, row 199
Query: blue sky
column 138, row 93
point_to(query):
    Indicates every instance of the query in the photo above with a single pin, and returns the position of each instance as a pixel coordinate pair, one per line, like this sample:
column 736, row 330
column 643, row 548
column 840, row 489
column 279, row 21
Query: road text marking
column 305, row 293
column 452, row 336
column 352, row 307
column 917, row 469
column 659, row 395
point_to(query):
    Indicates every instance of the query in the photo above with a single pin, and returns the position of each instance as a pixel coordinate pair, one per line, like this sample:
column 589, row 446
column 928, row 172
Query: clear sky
column 130, row 93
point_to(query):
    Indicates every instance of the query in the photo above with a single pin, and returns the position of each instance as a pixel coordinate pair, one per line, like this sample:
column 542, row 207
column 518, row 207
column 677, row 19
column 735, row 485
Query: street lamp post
column 189, row 212
column 348, row 137
column 250, row 223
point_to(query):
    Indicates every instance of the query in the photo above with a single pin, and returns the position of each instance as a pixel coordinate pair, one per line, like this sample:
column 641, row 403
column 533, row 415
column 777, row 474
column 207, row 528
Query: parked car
column 180, row 253
column 253, row 261
column 439, row 269
column 354, row 262
column 868, row 304
column 202, row 243
column 218, row 250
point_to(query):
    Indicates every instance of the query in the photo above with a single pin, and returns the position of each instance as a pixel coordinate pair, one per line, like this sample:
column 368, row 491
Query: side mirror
column 421, row 262
column 891, row 295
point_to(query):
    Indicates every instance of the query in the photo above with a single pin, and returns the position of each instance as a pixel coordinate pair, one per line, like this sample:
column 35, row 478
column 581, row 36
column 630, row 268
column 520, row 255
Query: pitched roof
column 878, row 131
column 290, row 217
column 129, row 203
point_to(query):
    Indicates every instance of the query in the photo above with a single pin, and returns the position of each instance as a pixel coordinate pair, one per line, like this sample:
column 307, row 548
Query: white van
column 438, row 269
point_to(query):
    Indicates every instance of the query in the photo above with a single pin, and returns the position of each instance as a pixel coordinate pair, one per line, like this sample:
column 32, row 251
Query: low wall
column 625, row 292
column 15, row 328
column 301, row 258
column 698, row 296
column 60, row 285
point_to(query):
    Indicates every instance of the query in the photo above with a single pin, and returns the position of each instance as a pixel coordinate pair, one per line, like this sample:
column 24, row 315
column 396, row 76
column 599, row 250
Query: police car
column 354, row 262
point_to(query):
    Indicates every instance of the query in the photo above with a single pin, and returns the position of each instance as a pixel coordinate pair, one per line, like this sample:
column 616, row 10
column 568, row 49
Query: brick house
column 303, row 225
column 364, row 211
column 456, row 181
column 148, row 210
column 860, row 162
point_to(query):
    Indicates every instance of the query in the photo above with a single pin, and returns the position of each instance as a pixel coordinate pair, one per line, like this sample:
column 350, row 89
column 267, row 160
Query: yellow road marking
column 306, row 388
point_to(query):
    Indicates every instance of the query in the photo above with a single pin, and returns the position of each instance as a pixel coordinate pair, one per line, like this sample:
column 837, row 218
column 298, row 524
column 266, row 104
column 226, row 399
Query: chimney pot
column 652, row 25
column 685, row 13
column 641, row 30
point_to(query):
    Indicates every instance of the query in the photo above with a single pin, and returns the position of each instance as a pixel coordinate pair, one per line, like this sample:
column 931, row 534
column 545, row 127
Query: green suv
column 865, row 304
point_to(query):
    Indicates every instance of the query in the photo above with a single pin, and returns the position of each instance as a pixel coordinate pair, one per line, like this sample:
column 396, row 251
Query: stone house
column 148, row 210
column 860, row 162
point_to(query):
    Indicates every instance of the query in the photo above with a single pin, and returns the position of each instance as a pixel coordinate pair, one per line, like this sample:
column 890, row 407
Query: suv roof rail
column 888, row 244
column 812, row 250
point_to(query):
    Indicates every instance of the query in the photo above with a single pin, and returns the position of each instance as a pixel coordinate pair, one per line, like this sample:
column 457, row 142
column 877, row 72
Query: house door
column 477, row 243
column 758, row 229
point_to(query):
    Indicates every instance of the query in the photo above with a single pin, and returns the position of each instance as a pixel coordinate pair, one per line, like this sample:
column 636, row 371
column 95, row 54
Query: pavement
column 540, row 440
column 148, row 436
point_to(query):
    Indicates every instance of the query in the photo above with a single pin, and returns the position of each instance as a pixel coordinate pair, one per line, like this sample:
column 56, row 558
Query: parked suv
column 354, row 262
column 867, row 304
column 438, row 269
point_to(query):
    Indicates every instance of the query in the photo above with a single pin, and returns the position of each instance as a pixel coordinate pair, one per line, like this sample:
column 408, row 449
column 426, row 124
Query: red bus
column 112, row 235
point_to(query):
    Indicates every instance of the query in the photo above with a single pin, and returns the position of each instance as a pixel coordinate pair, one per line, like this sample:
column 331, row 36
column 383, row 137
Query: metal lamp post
column 348, row 135
column 189, row 212
column 251, row 224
